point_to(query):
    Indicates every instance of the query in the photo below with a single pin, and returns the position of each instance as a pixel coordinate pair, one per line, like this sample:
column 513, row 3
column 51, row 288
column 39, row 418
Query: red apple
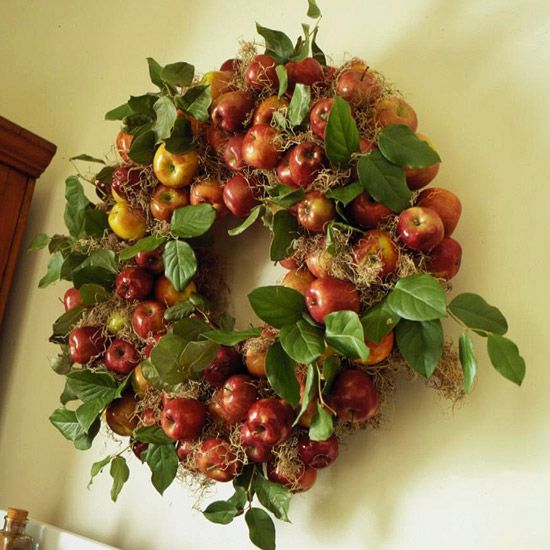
column 237, row 395
column 216, row 138
column 217, row 460
column 319, row 262
column 150, row 417
column 138, row 448
column 166, row 293
column 121, row 416
column 183, row 418
column 254, row 448
column 123, row 142
column 152, row 341
column 72, row 298
column 315, row 211
column 184, row 449
column 220, row 82
column 302, row 480
column 264, row 112
column 444, row 259
column 377, row 251
column 270, row 420
column 151, row 260
column 165, row 200
column 261, row 146
column 366, row 146
column 261, row 74
column 318, row 454
column 231, row 110
column 305, row 162
column 318, row 116
column 289, row 263
column 420, row 177
column 353, row 396
column 326, row 295
column 148, row 319
column 445, row 203
column 121, row 357
column 232, row 153
column 232, row 64
column 86, row 344
column 308, row 71
column 358, row 86
column 420, row 228
column 227, row 363
column 368, row 213
column 126, row 180
column 211, row 192
column 239, row 194
column 134, row 283
column 394, row 110
column 283, row 171
column 378, row 351
column 298, row 279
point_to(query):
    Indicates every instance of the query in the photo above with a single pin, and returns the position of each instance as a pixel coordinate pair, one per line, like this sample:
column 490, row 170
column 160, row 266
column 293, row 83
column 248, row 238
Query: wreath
column 329, row 160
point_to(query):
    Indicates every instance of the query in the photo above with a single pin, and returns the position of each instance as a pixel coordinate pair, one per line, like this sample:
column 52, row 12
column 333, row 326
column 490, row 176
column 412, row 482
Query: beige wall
column 478, row 73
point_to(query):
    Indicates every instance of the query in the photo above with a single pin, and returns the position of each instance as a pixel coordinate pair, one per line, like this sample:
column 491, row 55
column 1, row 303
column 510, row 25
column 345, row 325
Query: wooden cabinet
column 23, row 157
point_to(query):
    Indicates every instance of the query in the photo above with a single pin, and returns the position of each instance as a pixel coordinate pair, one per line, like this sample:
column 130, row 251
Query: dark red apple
column 283, row 171
column 86, row 344
column 326, row 295
column 151, row 260
column 239, row 194
column 184, row 449
column 376, row 251
column 231, row 110
column 368, row 213
column 209, row 191
column 445, row 203
column 420, row 228
column 308, row 71
column 264, row 112
column 237, row 396
column 353, row 396
column 217, row 460
column 232, row 64
column 165, row 200
column 444, row 259
column 183, row 418
column 148, row 319
column 138, row 448
column 121, row 416
column 270, row 420
column 318, row 454
column 261, row 146
column 358, row 86
column 126, row 180
column 261, row 74
column 305, row 162
column 254, row 448
column 216, row 138
column 318, row 116
column 232, row 154
column 71, row 298
column 121, row 357
column 134, row 283
column 315, row 211
column 302, row 480
column 226, row 363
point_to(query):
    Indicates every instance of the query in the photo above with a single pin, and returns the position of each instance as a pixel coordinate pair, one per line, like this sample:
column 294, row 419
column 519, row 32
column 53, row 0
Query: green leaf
column 85, row 440
column 322, row 426
column 255, row 213
column 143, row 104
column 87, row 158
column 180, row 264
column 196, row 357
column 280, row 371
column 285, row 230
column 301, row 49
column 273, row 496
column 118, row 113
column 196, row 102
column 421, row 344
column 61, row 364
column 379, row 321
column 165, row 357
column 88, row 412
column 260, row 528
column 299, row 104
column 120, row 473
column 277, row 44
column 341, row 133
column 142, row 148
column 95, row 223
column 384, row 181
column 332, row 366
column 92, row 386
column 154, row 72
column 105, row 175
column 67, row 424
column 277, row 305
column 313, row 10
column 152, row 434
column 467, row 360
column 477, row 314
column 147, row 244
column 178, row 74
column 99, row 268
column 39, row 242
column 191, row 328
column 221, row 512
column 67, row 395
column 303, row 342
column 232, row 337
column 54, row 270
column 316, row 51
column 417, row 298
column 400, row 145
column 506, row 359
column 137, row 124
column 193, row 220
column 65, row 323
column 166, row 116
column 72, row 261
column 181, row 139
column 179, row 311
column 92, row 294
column 310, row 390
column 285, row 196
column 280, row 120
column 345, row 194
column 283, row 79
column 239, row 498
column 76, row 206
column 163, row 462
column 97, row 467
column 344, row 333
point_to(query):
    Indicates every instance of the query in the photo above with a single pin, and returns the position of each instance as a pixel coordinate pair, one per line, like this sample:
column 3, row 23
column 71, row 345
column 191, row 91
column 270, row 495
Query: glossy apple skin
column 264, row 112
column 123, row 142
column 320, row 261
column 283, row 170
column 420, row 228
column 127, row 223
column 148, row 319
column 121, row 357
column 236, row 396
column 184, row 449
column 232, row 64
column 86, row 344
column 261, row 74
column 318, row 454
column 150, row 260
column 166, row 293
column 444, row 259
column 298, row 280
column 368, row 213
column 270, row 420
column 417, row 178
column 376, row 248
column 175, row 170
column 260, row 148
column 125, row 180
column 308, row 71
column 378, row 351
column 232, row 153
column 211, row 192
column 326, row 295
column 239, row 195
column 315, row 212
column 138, row 448
column 445, row 203
column 254, row 448
column 139, row 383
column 134, row 283
column 318, row 116
column 302, row 481
column 72, row 298
column 353, row 396
column 305, row 162
column 216, row 459
column 216, row 138
column 231, row 110
column 183, row 418
column 289, row 263
column 227, row 363
column 394, row 110
column 219, row 81
column 358, row 86
column 121, row 416
column 165, row 200
column 254, row 358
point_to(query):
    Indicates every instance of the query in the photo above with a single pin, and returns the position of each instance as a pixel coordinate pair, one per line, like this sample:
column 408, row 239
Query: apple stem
column 320, row 392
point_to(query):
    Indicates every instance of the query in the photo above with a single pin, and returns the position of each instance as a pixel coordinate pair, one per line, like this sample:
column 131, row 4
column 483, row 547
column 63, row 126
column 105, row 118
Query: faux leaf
column 120, row 473
column 313, row 10
column 191, row 328
column 180, row 263
column 344, row 333
column 332, row 366
column 506, row 359
column 152, row 434
column 345, row 194
column 277, row 305
column 97, row 467
column 179, row 311
column 154, row 72
column 285, row 196
column 280, row 371
column 90, row 386
column 65, row 323
column 196, row 102
column 165, row 357
column 303, row 342
column 341, row 134
column 39, row 241
column 316, row 51
column 196, row 357
column 193, row 220
column 181, row 138
column 477, row 314
column 87, row 158
column 467, row 360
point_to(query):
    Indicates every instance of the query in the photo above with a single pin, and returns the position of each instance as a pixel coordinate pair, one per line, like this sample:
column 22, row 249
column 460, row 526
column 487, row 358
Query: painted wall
column 478, row 74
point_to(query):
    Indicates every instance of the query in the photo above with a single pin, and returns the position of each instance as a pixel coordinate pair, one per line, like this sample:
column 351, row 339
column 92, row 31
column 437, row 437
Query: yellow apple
column 127, row 223
column 175, row 170
column 220, row 82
